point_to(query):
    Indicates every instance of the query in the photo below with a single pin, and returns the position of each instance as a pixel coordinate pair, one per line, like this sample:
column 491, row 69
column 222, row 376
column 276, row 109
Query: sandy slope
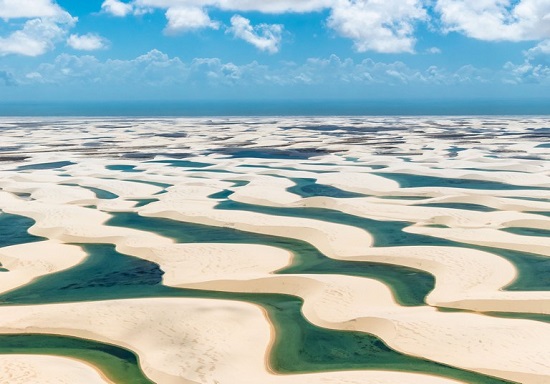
column 183, row 340
column 39, row 369
column 208, row 341
column 26, row 262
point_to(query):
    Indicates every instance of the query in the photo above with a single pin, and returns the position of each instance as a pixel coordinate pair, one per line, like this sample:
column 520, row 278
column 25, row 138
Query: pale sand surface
column 182, row 340
column 191, row 263
column 38, row 369
column 198, row 349
column 26, row 262
column 128, row 238
column 361, row 304
column 492, row 238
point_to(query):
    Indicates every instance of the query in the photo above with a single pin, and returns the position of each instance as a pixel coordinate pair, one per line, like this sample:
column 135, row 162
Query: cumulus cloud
column 496, row 20
column 116, row 8
column 542, row 49
column 527, row 72
column 37, row 36
column 158, row 70
column 36, row 26
column 334, row 70
column 373, row 25
column 534, row 69
column 378, row 26
column 264, row 6
column 265, row 37
column 87, row 42
column 154, row 68
column 382, row 26
column 183, row 19
column 13, row 9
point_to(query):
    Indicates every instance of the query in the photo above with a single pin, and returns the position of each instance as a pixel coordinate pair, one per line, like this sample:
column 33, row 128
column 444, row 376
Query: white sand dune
column 183, row 340
column 490, row 237
column 27, row 369
column 463, row 276
column 207, row 341
column 458, row 218
column 189, row 263
column 352, row 303
column 26, row 262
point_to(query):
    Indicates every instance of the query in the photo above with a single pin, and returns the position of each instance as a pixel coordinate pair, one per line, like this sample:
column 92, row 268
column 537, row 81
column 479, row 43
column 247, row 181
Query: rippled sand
column 420, row 244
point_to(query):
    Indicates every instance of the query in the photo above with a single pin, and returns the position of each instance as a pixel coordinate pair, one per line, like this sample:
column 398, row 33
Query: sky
column 103, row 50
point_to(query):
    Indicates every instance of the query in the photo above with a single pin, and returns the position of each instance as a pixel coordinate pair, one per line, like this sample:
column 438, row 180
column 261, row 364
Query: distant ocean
column 277, row 108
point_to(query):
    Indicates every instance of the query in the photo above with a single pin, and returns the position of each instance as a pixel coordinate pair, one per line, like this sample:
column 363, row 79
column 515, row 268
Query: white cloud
column 116, row 8
column 378, row 26
column 534, row 69
column 87, row 42
column 433, row 50
column 527, row 72
column 543, row 48
column 497, row 20
column 264, row 6
column 183, row 19
column 373, row 25
column 37, row 36
column 13, row 9
column 265, row 37
column 154, row 69
column 382, row 26
column 36, row 27
column 157, row 70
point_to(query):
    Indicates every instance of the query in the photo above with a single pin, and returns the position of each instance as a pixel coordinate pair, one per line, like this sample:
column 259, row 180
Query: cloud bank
column 372, row 25
column 157, row 69
column 37, row 26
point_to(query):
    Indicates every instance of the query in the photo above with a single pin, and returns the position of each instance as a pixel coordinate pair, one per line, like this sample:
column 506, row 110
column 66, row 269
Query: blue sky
column 274, row 49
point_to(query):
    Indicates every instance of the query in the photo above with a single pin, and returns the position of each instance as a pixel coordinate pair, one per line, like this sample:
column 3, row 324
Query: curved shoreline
column 501, row 185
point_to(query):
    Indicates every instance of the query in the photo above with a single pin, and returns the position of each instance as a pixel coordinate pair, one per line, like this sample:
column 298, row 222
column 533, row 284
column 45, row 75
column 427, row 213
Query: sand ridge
column 270, row 163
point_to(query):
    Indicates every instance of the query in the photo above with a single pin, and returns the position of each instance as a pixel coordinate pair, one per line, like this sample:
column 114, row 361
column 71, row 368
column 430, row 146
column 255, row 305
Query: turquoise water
column 14, row 230
column 465, row 206
column 155, row 183
column 99, row 193
column 530, row 198
column 299, row 345
column 528, row 231
column 397, row 197
column 270, row 153
column 221, row 195
column 39, row 166
column 406, row 180
column 123, row 168
column 182, row 163
column 384, row 233
column 239, row 183
column 102, row 194
column 534, row 270
column 143, row 202
column 309, row 188
column 409, row 285
column 277, row 167
column 118, row 364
